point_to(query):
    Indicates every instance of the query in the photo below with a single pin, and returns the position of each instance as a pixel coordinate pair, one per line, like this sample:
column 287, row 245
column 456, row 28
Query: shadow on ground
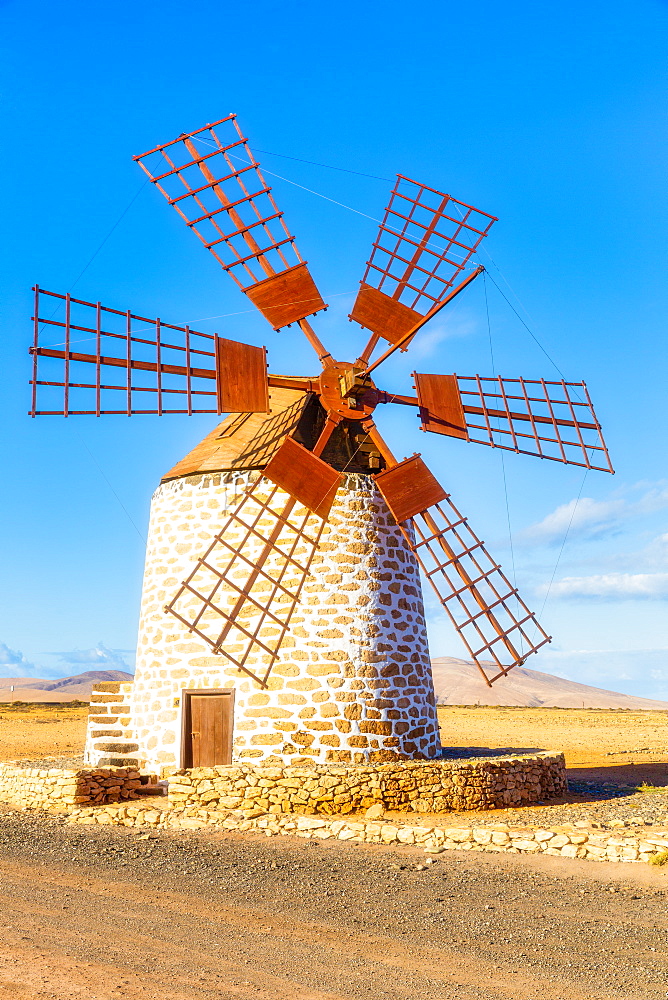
column 463, row 753
column 635, row 774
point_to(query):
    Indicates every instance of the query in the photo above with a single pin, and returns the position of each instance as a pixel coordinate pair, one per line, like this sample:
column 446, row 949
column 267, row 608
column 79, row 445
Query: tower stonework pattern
column 352, row 682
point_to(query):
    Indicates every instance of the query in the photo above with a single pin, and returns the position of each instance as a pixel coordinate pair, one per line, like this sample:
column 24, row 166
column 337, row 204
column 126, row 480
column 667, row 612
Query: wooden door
column 208, row 729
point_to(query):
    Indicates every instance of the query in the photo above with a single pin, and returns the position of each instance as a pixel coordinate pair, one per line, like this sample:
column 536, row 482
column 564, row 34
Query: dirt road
column 102, row 913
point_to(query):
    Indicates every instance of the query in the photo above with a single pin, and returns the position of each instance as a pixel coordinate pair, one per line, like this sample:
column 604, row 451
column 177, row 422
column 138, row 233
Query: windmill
column 303, row 437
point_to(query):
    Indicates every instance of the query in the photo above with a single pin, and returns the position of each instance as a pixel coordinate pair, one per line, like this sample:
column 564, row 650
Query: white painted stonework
column 352, row 682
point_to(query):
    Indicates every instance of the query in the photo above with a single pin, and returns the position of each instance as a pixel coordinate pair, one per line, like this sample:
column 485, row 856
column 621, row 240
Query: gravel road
column 109, row 912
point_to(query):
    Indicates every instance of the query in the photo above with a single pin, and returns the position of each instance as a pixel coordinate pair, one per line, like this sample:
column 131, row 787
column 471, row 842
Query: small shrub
column 659, row 859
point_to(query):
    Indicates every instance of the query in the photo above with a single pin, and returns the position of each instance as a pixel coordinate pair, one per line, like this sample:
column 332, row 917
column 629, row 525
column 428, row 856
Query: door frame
column 185, row 696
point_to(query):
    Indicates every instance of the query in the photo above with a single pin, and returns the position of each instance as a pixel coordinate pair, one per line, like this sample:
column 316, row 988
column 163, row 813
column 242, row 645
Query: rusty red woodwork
column 241, row 377
column 552, row 420
column 409, row 488
column 424, row 243
column 440, row 404
column 114, row 377
column 214, row 182
column 491, row 618
column 304, row 476
column 208, row 726
column 286, row 297
column 383, row 315
column 267, row 585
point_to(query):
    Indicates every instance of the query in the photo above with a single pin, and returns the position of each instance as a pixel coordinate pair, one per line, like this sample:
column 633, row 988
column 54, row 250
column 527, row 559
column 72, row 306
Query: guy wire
column 556, row 565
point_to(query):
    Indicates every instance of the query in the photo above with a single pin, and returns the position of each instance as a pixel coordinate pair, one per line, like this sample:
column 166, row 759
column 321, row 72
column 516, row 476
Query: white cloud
column 642, row 672
column 427, row 341
column 613, row 586
column 656, row 553
column 13, row 663
column 555, row 653
column 97, row 657
column 578, row 517
column 589, row 518
column 656, row 498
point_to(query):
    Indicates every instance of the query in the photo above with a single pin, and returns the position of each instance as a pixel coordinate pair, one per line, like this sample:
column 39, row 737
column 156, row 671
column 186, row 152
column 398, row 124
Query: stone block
column 526, row 846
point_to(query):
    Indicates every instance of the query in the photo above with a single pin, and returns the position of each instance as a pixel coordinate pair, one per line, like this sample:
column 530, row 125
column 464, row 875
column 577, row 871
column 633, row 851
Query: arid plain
column 114, row 912
column 608, row 745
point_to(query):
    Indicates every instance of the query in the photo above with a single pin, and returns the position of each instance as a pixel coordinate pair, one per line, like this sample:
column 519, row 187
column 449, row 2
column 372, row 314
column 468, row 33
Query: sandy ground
column 617, row 746
column 109, row 912
column 106, row 912
column 41, row 731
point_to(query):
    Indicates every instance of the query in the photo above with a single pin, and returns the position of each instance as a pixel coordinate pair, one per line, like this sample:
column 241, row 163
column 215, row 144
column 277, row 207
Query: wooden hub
column 344, row 393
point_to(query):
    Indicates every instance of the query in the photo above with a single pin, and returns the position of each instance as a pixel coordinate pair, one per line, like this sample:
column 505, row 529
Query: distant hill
column 77, row 688
column 458, row 682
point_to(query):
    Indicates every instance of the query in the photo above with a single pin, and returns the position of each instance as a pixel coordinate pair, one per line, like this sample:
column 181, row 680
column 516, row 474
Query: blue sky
column 550, row 116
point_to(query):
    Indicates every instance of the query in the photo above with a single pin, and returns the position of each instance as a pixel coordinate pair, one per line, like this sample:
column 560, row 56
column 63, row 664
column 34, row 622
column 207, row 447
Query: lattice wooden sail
column 553, row 420
column 424, row 243
column 212, row 179
column 241, row 594
column 137, row 365
column 484, row 607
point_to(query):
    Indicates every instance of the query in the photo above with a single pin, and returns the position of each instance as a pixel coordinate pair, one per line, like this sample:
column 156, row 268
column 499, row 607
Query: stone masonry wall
column 567, row 840
column 43, row 788
column 415, row 786
column 353, row 679
column 110, row 736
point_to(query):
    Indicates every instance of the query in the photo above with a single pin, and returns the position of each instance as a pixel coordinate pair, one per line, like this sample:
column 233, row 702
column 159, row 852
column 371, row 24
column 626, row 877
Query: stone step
column 117, row 761
column 116, row 747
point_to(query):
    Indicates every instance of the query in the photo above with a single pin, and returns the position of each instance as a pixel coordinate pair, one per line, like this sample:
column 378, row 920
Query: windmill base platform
column 435, row 786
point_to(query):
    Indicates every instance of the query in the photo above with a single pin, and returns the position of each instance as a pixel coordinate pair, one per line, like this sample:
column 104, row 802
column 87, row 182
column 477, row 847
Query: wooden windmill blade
column 212, row 179
column 553, row 420
column 424, row 244
column 241, row 594
column 486, row 610
column 239, row 597
column 91, row 359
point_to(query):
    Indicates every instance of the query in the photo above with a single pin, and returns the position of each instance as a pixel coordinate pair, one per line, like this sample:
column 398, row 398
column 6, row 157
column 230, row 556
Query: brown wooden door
column 208, row 730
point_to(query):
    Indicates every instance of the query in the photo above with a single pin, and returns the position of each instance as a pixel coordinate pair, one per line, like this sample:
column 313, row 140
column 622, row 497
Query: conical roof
column 245, row 440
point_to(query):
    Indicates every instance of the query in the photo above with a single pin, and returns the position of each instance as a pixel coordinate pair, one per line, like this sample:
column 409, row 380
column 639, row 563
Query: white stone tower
column 352, row 682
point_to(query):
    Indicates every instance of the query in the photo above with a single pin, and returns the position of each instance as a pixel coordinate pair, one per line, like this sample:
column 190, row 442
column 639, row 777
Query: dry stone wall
column 43, row 788
column 566, row 841
column 353, row 680
column 414, row 786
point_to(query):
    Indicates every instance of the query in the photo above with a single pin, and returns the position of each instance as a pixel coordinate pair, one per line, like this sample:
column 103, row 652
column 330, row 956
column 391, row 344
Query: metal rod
column 33, row 409
column 98, row 376
column 66, row 392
